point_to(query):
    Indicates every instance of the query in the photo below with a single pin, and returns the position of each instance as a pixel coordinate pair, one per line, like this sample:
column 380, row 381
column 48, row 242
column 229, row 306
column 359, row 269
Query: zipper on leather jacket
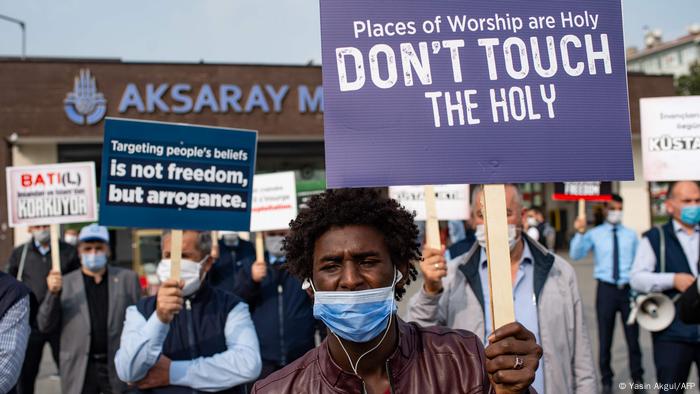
column 388, row 376
column 280, row 312
column 190, row 330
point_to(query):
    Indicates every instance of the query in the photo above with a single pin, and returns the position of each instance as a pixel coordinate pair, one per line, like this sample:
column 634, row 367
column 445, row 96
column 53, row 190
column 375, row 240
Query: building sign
column 670, row 138
column 51, row 194
column 85, row 105
column 183, row 98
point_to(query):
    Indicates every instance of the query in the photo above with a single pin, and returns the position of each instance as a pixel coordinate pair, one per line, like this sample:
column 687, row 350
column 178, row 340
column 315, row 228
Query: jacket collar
column 543, row 261
column 201, row 294
column 470, row 269
column 36, row 246
column 671, row 229
column 349, row 382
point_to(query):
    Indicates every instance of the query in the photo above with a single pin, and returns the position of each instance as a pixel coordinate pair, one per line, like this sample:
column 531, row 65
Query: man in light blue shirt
column 524, row 301
column 613, row 246
column 190, row 335
column 545, row 295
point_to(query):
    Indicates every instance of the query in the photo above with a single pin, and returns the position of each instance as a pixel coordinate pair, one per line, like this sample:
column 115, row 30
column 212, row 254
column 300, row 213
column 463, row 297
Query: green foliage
column 689, row 85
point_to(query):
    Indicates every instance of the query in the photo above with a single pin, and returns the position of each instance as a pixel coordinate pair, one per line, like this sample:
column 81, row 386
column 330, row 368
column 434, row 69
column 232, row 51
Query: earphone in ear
column 306, row 284
column 399, row 276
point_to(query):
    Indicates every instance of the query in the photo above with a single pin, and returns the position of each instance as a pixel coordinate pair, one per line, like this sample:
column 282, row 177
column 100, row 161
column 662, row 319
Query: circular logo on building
column 85, row 105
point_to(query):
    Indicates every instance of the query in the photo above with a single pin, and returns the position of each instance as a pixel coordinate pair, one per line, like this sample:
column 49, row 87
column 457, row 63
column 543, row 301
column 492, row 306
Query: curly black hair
column 346, row 207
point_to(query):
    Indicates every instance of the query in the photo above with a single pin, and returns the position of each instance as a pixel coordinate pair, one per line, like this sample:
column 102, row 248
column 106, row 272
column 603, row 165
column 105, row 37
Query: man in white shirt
column 190, row 337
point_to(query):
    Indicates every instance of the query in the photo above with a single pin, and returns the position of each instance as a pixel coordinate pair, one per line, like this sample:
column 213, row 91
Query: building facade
column 53, row 111
column 672, row 57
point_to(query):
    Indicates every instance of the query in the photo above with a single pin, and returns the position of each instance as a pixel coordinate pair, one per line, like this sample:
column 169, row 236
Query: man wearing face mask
column 234, row 252
column 70, row 236
column 86, row 308
column 545, row 293
column 538, row 229
column 356, row 252
column 667, row 261
column 30, row 263
column 190, row 337
column 281, row 310
column 613, row 246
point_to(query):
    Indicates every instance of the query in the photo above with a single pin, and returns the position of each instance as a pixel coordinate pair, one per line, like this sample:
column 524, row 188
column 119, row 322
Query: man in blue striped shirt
column 613, row 246
column 14, row 330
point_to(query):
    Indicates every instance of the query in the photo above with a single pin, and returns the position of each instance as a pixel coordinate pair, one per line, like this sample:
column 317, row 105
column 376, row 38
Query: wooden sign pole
column 55, row 250
column 581, row 208
column 432, row 226
column 498, row 255
column 175, row 253
column 214, row 245
column 259, row 247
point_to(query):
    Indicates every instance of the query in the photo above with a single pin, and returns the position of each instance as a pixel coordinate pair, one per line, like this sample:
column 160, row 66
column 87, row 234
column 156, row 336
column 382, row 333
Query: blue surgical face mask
column 94, row 261
column 513, row 235
column 357, row 316
column 690, row 214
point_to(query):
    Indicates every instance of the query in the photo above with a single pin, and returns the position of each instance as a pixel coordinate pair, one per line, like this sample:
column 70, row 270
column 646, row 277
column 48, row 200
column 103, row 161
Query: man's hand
column 54, row 281
column 580, row 224
column 434, row 268
column 512, row 359
column 157, row 376
column 169, row 300
column 258, row 271
column 682, row 281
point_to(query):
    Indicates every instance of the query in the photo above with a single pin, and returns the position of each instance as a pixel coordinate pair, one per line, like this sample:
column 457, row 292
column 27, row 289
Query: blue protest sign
column 445, row 91
column 176, row 176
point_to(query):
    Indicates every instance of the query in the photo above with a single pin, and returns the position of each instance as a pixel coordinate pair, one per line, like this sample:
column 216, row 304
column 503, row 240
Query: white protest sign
column 274, row 201
column 452, row 200
column 671, row 138
column 51, row 194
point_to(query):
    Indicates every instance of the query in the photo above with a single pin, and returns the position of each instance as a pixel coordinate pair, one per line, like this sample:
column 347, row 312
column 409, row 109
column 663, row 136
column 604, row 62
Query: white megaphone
column 653, row 312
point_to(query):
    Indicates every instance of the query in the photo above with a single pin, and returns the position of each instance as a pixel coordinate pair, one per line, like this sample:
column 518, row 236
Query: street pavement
column 48, row 382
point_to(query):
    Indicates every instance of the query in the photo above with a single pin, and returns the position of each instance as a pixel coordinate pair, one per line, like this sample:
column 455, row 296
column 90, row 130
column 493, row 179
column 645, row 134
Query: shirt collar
column 678, row 228
column 526, row 258
column 40, row 247
column 90, row 278
column 275, row 259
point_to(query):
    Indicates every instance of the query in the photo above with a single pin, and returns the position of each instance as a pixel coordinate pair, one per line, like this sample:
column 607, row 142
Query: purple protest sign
column 444, row 91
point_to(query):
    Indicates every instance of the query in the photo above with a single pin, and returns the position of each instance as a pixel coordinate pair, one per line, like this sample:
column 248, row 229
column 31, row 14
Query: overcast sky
column 229, row 31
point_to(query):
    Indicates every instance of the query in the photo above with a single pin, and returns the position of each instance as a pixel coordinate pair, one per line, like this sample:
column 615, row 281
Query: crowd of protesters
column 319, row 312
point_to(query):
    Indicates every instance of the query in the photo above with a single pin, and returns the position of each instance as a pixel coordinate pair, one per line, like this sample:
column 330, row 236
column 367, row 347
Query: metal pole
column 23, row 27
column 24, row 40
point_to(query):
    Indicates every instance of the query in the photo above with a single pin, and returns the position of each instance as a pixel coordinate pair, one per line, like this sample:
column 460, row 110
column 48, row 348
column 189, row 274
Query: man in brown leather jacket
column 355, row 250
